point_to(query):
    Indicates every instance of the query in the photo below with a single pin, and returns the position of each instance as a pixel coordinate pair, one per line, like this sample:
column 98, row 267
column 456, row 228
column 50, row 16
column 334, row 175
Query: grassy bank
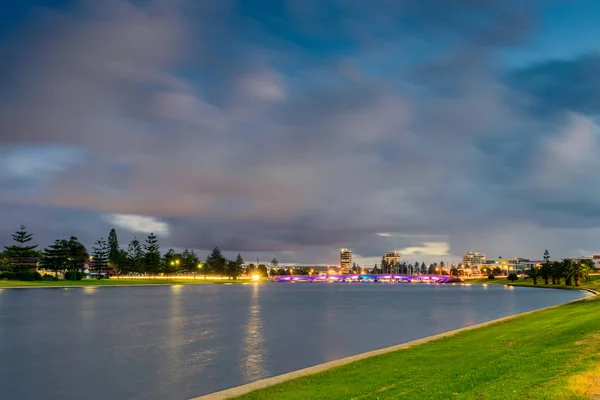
column 594, row 284
column 550, row 354
column 121, row 282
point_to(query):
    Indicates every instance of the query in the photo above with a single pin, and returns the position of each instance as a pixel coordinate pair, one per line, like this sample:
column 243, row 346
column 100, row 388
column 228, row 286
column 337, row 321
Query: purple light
column 308, row 278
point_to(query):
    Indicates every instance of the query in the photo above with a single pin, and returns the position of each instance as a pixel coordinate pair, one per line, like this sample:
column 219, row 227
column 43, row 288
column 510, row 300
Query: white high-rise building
column 345, row 261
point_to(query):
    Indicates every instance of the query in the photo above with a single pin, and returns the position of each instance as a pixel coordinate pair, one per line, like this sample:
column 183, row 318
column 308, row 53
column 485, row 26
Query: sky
column 291, row 129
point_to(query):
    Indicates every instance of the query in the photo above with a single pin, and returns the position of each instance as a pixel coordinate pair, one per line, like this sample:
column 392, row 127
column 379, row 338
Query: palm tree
column 533, row 273
column 558, row 269
column 577, row 271
column 546, row 271
column 591, row 267
column 567, row 271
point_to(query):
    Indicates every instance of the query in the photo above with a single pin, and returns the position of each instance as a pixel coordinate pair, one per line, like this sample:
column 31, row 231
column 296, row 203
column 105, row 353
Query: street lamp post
column 200, row 268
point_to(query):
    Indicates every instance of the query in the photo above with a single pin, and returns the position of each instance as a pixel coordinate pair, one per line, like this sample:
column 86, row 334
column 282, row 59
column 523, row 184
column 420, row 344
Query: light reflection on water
column 253, row 359
column 88, row 310
column 173, row 341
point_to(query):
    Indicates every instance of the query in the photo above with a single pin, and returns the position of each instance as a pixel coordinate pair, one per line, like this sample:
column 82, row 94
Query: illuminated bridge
column 363, row 278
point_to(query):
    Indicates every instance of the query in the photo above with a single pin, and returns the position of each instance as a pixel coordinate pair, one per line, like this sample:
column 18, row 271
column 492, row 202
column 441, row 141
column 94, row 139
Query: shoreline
column 120, row 283
column 274, row 380
column 85, row 286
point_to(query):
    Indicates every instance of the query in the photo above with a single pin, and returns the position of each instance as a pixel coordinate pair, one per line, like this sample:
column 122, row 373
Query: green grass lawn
column 114, row 281
column 594, row 284
column 550, row 354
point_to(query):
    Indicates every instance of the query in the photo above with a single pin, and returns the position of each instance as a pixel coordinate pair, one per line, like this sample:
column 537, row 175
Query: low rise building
column 596, row 260
column 473, row 258
column 392, row 257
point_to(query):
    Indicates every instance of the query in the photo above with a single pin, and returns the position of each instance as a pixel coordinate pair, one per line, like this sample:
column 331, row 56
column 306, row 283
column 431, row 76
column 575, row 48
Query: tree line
column 140, row 258
column 573, row 272
column 386, row 267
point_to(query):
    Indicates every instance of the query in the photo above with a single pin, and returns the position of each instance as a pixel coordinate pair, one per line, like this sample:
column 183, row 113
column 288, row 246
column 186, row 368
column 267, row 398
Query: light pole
column 173, row 263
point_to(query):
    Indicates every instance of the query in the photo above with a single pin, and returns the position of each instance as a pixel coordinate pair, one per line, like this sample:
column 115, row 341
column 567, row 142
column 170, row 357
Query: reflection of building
column 392, row 257
column 473, row 258
column 345, row 261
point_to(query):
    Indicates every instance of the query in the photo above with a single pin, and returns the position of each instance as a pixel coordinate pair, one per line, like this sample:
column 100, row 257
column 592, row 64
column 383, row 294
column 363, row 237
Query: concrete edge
column 274, row 380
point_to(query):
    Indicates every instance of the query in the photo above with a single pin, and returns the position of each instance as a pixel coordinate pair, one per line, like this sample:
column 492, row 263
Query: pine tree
column 195, row 264
column 55, row 257
column 189, row 262
column 250, row 268
column 76, row 254
column 234, row 268
column 152, row 255
column 114, row 254
column 186, row 266
column 100, row 257
column 123, row 266
column 170, row 263
column 215, row 262
column 20, row 253
column 135, row 257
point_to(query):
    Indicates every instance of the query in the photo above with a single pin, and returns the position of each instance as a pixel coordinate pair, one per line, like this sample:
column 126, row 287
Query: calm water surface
column 184, row 341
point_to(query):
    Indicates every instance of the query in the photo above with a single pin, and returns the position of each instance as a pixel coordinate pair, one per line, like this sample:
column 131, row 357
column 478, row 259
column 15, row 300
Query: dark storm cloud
column 292, row 128
column 562, row 84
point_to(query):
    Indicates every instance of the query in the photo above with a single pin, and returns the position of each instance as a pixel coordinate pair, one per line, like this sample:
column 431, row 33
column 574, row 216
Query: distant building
column 316, row 269
column 473, row 258
column 392, row 257
column 596, row 259
column 508, row 265
column 345, row 261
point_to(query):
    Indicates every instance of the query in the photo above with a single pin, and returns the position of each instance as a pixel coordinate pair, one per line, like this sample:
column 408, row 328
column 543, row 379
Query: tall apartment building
column 345, row 261
column 392, row 257
column 473, row 258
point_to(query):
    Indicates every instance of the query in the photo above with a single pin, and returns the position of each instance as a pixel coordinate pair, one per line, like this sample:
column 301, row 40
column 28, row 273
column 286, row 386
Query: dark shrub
column 8, row 275
column 491, row 276
column 512, row 277
column 48, row 277
column 73, row 275
column 25, row 276
column 37, row 276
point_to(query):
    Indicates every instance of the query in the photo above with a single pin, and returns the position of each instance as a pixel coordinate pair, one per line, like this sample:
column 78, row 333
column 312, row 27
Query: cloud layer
column 295, row 128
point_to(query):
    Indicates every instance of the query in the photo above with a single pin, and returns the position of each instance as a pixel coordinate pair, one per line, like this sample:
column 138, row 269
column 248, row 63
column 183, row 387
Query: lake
column 178, row 342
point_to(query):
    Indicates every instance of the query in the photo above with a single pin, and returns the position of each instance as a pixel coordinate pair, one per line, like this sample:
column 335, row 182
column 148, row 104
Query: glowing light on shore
column 255, row 277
